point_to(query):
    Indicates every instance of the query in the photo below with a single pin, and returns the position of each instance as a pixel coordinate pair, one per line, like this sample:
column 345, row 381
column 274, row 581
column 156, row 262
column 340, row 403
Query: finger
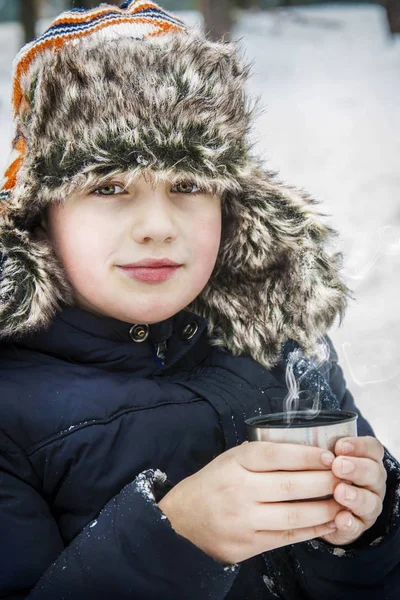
column 364, row 446
column 270, row 456
column 282, row 516
column 276, row 539
column 349, row 529
column 283, row 486
column 362, row 503
column 363, row 472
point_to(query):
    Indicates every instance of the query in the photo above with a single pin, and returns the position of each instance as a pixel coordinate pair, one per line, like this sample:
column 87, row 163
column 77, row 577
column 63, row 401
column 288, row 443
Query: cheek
column 207, row 234
column 78, row 240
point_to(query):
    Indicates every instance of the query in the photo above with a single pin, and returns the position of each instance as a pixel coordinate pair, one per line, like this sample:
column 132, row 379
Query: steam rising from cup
column 302, row 371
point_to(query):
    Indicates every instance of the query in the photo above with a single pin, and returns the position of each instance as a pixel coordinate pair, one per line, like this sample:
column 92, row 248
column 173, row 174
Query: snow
column 270, row 583
column 231, row 568
column 329, row 81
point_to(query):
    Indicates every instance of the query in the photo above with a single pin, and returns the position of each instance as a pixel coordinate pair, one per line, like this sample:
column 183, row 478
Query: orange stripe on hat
column 11, row 174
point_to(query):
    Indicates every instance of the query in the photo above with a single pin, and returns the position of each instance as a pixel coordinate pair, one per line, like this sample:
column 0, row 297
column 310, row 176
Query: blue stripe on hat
column 65, row 28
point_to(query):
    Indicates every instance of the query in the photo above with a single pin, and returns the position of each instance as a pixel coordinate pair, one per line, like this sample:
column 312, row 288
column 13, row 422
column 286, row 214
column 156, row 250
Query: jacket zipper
column 161, row 351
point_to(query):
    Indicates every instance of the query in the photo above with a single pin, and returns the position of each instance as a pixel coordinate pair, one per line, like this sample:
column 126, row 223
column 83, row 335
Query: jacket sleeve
column 129, row 551
column 369, row 568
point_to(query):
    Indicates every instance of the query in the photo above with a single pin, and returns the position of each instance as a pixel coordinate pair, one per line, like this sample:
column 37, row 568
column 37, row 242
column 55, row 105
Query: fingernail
column 327, row 458
column 347, row 448
column 349, row 522
column 346, row 466
column 350, row 493
column 331, row 525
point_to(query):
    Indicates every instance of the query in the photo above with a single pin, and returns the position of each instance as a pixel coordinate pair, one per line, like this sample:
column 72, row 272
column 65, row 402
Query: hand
column 362, row 468
column 238, row 506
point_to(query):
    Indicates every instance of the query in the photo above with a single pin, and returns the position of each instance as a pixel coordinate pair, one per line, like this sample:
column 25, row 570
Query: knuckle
column 229, row 464
column 293, row 518
column 315, row 531
column 227, row 484
column 286, row 486
column 269, row 451
column 240, row 451
column 228, row 459
column 289, row 536
column 227, row 490
column 235, row 465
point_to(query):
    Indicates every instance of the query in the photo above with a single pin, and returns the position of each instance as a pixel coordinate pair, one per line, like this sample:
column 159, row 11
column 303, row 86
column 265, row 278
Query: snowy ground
column 329, row 78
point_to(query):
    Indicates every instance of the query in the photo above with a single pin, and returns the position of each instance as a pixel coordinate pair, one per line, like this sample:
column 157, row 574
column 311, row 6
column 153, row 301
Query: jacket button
column 189, row 331
column 139, row 333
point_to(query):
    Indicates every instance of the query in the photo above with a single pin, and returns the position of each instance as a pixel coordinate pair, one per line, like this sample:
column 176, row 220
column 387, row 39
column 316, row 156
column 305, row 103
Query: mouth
column 150, row 274
column 152, row 263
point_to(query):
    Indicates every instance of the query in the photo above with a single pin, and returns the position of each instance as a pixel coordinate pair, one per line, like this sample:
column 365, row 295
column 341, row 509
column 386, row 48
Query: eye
column 185, row 187
column 108, row 190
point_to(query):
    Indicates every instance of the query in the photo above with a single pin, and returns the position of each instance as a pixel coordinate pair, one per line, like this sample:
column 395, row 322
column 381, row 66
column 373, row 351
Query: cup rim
column 330, row 418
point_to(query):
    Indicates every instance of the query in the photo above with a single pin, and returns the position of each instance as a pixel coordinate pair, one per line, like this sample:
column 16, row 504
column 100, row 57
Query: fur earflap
column 274, row 280
column 32, row 283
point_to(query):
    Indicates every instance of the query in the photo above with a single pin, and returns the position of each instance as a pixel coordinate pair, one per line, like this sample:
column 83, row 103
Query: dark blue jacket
column 90, row 423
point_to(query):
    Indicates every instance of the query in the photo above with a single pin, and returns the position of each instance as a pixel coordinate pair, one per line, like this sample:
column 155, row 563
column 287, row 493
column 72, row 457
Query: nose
column 153, row 219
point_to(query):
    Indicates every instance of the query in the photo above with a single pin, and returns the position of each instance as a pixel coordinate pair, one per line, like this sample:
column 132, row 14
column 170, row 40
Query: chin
column 148, row 315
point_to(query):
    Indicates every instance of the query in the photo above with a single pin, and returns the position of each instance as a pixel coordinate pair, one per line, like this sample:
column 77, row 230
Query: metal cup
column 323, row 431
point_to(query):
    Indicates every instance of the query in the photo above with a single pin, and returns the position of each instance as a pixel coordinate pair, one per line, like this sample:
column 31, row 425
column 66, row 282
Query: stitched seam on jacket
column 89, row 423
column 227, row 375
column 229, row 407
column 232, row 414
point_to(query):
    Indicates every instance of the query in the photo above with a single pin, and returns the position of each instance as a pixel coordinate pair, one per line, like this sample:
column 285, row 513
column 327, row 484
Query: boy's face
column 95, row 234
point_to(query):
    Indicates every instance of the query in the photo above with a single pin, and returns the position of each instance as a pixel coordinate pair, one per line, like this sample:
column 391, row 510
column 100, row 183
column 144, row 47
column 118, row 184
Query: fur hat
column 109, row 90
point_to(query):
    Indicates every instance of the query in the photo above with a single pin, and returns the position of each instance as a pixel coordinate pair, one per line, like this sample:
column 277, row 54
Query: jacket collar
column 81, row 337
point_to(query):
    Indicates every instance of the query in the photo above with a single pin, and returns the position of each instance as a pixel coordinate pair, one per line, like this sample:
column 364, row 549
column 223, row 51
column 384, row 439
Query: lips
column 151, row 270
column 152, row 263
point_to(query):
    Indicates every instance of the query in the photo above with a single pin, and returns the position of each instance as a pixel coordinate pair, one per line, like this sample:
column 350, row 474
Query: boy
column 153, row 277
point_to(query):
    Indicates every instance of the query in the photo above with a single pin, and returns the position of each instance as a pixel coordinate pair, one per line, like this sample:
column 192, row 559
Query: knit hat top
column 114, row 90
